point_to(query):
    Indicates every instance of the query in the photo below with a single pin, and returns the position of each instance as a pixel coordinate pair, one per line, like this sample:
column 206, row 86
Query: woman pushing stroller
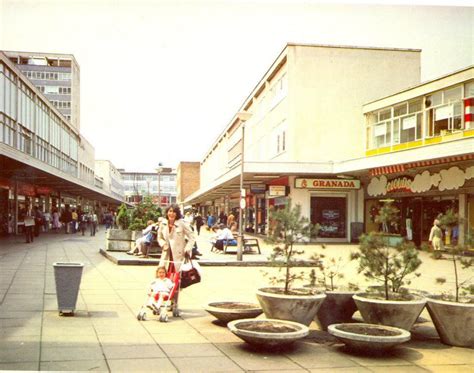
column 176, row 239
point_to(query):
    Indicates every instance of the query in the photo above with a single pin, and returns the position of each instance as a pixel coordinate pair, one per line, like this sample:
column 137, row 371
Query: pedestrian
column 83, row 221
column 199, row 223
column 66, row 217
column 74, row 221
column 56, row 222
column 436, row 236
column 93, row 222
column 176, row 239
column 38, row 220
column 46, row 221
column 29, row 221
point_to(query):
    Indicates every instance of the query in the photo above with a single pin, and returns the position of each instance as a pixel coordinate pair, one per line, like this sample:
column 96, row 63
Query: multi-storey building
column 111, row 178
column 158, row 186
column 57, row 76
column 44, row 160
column 420, row 146
column 305, row 121
column 187, row 180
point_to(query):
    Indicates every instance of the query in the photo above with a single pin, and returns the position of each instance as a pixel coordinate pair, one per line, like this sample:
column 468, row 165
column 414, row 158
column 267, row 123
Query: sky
column 161, row 80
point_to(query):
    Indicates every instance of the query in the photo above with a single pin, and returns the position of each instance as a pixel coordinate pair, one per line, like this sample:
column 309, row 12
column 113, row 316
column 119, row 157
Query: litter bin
column 68, row 279
column 356, row 230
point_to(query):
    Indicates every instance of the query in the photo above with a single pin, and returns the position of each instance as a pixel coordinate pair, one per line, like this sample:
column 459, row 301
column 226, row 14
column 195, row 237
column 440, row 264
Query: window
column 445, row 111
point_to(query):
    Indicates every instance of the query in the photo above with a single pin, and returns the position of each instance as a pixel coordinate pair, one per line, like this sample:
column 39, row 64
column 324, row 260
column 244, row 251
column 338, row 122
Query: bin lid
column 68, row 264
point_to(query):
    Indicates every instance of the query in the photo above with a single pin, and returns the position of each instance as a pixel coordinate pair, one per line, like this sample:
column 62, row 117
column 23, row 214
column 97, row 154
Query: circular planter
column 369, row 337
column 230, row 311
column 453, row 321
column 268, row 332
column 397, row 313
column 298, row 308
column 337, row 308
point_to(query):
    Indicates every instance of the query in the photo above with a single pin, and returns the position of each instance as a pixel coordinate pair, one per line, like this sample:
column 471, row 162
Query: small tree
column 458, row 260
column 144, row 211
column 388, row 265
column 123, row 217
column 288, row 228
column 387, row 216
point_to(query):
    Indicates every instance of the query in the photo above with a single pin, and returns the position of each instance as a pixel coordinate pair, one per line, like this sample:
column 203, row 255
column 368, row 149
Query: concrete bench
column 249, row 244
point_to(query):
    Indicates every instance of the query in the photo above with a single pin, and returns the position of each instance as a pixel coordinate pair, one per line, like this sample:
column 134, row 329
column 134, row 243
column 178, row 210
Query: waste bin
column 68, row 279
column 356, row 230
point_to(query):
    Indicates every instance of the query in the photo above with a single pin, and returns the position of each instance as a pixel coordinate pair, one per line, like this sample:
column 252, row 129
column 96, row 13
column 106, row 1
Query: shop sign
column 258, row 188
column 302, row 183
column 277, row 190
column 400, row 184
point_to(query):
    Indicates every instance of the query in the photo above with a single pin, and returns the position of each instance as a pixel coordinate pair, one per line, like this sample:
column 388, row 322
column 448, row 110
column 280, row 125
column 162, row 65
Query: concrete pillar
column 462, row 211
column 15, row 207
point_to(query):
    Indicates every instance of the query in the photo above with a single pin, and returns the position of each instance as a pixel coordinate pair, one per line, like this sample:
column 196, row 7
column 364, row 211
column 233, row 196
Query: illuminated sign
column 302, row 183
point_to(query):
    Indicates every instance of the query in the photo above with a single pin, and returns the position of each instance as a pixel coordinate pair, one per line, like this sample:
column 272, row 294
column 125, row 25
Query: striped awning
column 399, row 168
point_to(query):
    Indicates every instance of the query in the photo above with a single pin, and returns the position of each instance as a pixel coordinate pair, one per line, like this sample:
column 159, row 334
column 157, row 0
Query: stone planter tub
column 300, row 308
column 338, row 307
column 231, row 310
column 453, row 321
column 369, row 337
column 268, row 333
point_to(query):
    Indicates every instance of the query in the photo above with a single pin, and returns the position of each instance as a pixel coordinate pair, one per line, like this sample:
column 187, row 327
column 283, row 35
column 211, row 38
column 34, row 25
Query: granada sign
column 303, row 183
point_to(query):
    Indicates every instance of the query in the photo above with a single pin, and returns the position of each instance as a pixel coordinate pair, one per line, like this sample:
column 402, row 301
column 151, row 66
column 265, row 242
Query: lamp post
column 243, row 117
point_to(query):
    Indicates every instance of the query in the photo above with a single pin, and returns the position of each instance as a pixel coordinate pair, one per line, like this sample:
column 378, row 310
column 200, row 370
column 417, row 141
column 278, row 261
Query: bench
column 249, row 244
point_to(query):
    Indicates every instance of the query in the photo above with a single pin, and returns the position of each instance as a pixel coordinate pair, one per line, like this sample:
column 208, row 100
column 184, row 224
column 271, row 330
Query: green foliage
column 387, row 216
column 143, row 212
column 123, row 217
column 449, row 219
column 385, row 264
column 287, row 228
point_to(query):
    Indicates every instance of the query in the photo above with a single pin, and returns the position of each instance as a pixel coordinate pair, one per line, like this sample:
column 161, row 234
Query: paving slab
column 206, row 364
column 75, row 365
column 142, row 365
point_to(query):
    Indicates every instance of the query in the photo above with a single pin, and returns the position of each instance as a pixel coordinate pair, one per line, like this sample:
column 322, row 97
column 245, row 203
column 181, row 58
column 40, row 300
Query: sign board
column 302, row 183
column 258, row 188
column 242, row 203
column 277, row 190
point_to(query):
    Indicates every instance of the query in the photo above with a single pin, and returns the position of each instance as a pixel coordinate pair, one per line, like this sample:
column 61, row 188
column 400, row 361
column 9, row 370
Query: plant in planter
column 452, row 315
column 143, row 212
column 123, row 217
column 387, row 216
column 287, row 303
column 391, row 267
column 338, row 306
column 449, row 220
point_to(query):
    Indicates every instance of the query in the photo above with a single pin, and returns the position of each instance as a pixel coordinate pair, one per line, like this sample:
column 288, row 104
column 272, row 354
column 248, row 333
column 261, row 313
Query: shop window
column 330, row 214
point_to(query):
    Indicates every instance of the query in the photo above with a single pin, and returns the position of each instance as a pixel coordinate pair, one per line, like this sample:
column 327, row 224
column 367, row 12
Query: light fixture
column 348, row 177
column 266, row 176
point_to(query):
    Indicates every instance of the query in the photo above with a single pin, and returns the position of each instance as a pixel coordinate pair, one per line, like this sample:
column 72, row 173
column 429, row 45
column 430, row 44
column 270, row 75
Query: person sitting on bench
column 223, row 236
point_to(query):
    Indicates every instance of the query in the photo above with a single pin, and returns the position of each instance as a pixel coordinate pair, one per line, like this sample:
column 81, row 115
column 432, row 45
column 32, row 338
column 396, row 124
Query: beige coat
column 180, row 240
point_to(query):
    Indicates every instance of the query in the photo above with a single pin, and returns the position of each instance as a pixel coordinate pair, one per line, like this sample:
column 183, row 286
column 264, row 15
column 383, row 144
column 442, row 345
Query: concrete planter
column 399, row 314
column 68, row 280
column 368, row 337
column 337, row 308
column 298, row 308
column 229, row 311
column 268, row 333
column 453, row 321
column 136, row 235
column 392, row 240
column 119, row 235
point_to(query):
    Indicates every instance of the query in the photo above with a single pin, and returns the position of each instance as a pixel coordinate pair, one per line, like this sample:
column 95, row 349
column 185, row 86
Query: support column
column 15, row 208
column 462, row 212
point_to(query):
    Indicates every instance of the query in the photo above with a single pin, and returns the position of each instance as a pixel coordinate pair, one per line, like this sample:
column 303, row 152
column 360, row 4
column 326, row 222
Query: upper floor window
column 444, row 111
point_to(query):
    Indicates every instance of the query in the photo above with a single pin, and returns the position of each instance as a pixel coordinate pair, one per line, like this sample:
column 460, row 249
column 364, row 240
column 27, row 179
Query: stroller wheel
column 176, row 312
column 141, row 316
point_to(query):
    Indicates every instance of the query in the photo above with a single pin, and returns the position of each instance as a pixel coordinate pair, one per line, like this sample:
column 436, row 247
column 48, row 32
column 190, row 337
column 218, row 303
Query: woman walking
column 177, row 240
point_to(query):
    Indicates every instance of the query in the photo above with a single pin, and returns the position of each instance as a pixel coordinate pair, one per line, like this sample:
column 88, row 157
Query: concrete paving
column 104, row 334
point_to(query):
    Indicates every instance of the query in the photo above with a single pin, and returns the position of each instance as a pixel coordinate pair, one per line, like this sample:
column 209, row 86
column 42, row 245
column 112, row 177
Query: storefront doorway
column 330, row 214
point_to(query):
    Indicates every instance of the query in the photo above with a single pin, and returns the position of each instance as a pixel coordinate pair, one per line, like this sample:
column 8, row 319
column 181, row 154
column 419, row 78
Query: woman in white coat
column 176, row 238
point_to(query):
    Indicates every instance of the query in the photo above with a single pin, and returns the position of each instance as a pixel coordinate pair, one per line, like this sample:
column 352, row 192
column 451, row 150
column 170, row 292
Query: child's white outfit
column 159, row 291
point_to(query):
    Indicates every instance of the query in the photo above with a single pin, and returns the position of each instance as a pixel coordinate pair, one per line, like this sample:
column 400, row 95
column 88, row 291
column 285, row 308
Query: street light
column 160, row 170
column 243, row 116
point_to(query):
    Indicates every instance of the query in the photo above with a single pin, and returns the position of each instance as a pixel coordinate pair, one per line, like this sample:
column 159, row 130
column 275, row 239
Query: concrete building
column 420, row 154
column 44, row 160
column 305, row 121
column 57, row 76
column 187, row 180
column 112, row 180
column 159, row 187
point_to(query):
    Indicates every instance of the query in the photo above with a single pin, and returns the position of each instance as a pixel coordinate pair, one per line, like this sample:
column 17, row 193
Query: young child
column 159, row 289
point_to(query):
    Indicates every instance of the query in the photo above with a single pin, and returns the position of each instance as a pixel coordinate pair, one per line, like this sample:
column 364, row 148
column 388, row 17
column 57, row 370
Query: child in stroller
column 162, row 291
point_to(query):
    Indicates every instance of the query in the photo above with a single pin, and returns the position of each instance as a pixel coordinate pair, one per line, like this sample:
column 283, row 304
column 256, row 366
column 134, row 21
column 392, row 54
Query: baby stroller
column 161, row 306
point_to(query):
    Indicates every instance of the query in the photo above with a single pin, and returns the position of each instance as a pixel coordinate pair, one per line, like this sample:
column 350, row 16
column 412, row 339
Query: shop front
column 421, row 195
column 329, row 203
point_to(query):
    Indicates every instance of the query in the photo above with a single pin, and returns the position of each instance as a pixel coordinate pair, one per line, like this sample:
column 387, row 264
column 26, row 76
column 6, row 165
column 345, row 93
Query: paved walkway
column 104, row 334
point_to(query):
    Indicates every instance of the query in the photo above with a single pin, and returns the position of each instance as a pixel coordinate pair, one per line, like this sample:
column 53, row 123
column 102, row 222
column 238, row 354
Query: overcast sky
column 160, row 80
